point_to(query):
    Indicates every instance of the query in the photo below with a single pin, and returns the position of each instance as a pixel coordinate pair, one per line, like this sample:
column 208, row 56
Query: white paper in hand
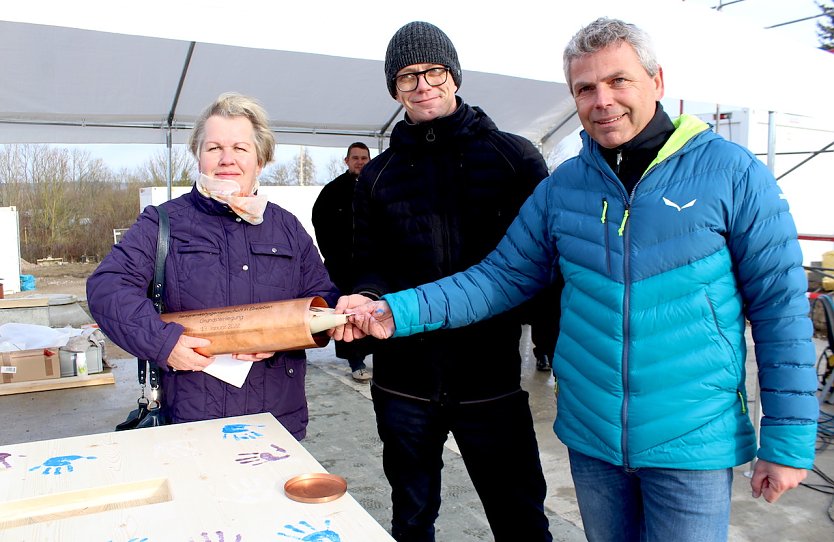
column 229, row 369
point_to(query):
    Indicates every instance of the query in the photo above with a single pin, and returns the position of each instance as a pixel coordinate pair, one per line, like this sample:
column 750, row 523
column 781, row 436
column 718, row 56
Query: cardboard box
column 27, row 365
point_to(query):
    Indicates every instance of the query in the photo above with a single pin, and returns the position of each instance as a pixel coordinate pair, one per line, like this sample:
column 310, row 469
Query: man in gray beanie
column 436, row 201
column 417, row 43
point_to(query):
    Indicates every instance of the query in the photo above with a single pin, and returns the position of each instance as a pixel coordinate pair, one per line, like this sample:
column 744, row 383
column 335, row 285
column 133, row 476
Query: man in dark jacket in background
column 435, row 202
column 333, row 221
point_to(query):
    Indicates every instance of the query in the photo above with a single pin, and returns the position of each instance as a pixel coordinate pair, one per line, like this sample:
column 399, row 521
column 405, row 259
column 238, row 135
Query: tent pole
column 717, row 118
column 170, row 180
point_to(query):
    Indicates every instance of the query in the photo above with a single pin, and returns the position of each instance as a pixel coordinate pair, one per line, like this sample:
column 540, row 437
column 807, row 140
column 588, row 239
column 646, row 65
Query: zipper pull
column 619, row 161
column 604, row 210
column 430, row 137
column 623, row 223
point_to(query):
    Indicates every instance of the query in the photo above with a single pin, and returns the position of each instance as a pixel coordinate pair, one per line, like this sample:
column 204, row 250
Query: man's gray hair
column 604, row 32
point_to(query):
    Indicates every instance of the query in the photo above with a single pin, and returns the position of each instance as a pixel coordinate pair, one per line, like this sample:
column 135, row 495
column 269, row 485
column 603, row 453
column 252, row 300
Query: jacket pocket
column 274, row 265
column 724, row 342
column 197, row 259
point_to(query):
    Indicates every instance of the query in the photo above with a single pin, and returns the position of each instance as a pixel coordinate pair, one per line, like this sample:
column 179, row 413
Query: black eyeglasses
column 433, row 76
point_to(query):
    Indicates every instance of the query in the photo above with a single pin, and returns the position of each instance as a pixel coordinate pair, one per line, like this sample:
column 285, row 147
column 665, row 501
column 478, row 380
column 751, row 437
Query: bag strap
column 156, row 292
column 161, row 253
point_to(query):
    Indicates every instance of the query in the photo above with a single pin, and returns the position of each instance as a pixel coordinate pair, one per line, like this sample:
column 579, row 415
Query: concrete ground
column 342, row 436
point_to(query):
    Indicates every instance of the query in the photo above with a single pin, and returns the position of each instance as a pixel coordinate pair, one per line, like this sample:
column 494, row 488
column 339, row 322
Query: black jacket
column 436, row 202
column 333, row 221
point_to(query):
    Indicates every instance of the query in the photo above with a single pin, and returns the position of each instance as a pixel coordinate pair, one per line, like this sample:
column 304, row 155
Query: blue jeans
column 651, row 504
column 498, row 446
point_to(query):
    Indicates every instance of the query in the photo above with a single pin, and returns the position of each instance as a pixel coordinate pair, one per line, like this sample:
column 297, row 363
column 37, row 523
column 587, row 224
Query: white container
column 81, row 365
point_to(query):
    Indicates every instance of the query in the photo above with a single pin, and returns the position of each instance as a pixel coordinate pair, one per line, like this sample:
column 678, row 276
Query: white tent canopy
column 115, row 72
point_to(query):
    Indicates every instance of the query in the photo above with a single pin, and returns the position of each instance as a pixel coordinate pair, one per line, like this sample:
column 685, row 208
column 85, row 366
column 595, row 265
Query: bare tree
column 184, row 167
column 305, row 168
column 11, row 166
column 335, row 167
column 279, row 175
column 65, row 200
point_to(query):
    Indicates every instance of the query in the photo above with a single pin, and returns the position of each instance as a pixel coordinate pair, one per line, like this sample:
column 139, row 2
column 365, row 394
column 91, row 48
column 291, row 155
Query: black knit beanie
column 419, row 43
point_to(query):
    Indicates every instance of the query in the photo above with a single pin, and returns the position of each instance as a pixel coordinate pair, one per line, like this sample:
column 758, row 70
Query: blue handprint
column 240, row 431
column 136, row 540
column 58, row 462
column 310, row 533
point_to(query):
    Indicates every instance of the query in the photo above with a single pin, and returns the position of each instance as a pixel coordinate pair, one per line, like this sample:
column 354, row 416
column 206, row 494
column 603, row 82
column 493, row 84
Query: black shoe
column 543, row 363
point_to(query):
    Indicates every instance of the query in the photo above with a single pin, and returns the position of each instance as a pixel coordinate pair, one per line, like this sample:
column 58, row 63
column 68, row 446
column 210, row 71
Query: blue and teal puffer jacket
column 650, row 360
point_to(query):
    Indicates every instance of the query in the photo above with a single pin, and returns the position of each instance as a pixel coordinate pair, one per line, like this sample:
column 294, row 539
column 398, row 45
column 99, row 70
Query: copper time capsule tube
column 274, row 326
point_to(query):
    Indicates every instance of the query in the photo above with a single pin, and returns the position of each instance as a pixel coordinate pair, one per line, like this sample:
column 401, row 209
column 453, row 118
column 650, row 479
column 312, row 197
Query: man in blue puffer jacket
column 667, row 237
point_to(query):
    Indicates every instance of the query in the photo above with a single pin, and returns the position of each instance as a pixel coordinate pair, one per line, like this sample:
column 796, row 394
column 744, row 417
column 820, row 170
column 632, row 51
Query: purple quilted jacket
column 215, row 260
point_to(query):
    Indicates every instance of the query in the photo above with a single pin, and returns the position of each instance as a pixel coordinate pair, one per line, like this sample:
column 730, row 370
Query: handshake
column 365, row 318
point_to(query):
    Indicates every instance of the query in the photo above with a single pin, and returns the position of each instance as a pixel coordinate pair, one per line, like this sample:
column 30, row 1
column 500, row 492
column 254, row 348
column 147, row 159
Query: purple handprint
column 255, row 458
column 220, row 537
column 3, row 457
column 241, row 431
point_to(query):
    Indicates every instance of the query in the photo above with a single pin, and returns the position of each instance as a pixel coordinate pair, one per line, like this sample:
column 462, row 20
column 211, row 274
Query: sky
column 768, row 13
column 763, row 13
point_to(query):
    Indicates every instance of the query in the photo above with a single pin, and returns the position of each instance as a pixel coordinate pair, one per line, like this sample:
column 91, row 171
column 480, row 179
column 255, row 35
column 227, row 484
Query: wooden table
column 211, row 481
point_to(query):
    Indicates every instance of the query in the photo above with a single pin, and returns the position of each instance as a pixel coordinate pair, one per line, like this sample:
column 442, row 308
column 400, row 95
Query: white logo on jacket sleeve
column 671, row 203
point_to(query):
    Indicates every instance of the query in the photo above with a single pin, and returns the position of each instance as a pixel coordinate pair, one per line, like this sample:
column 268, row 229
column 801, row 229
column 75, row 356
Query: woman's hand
column 184, row 358
column 259, row 356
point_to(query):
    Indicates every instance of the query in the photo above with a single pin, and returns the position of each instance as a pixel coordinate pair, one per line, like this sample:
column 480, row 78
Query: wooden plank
column 222, row 477
column 85, row 501
column 24, row 302
column 97, row 379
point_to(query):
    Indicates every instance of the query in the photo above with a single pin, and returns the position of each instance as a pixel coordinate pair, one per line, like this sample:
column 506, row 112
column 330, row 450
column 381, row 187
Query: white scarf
column 250, row 207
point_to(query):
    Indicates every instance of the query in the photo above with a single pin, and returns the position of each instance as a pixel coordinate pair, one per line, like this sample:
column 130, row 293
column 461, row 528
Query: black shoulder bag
column 149, row 411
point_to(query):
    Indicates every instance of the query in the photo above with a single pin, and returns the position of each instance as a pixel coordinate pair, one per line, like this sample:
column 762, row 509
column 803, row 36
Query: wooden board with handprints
column 211, row 481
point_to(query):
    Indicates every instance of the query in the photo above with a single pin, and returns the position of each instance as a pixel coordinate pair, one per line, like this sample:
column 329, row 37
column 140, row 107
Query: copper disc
column 315, row 488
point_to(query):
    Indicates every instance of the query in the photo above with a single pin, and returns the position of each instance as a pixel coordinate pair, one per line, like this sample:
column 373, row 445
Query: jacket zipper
column 626, row 315
column 603, row 219
column 626, row 305
column 626, row 332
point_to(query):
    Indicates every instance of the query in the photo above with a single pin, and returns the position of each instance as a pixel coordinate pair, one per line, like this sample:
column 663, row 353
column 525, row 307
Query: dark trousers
column 498, row 445
column 354, row 352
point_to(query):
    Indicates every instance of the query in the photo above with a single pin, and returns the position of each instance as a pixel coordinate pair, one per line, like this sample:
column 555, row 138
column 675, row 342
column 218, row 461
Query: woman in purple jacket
column 228, row 246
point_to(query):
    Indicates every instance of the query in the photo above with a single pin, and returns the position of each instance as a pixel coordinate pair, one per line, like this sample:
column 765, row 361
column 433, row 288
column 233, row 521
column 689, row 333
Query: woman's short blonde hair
column 233, row 104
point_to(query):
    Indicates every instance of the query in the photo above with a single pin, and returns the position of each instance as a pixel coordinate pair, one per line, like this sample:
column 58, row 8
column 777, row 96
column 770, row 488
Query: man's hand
column 373, row 319
column 346, row 303
column 184, row 358
column 771, row 480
